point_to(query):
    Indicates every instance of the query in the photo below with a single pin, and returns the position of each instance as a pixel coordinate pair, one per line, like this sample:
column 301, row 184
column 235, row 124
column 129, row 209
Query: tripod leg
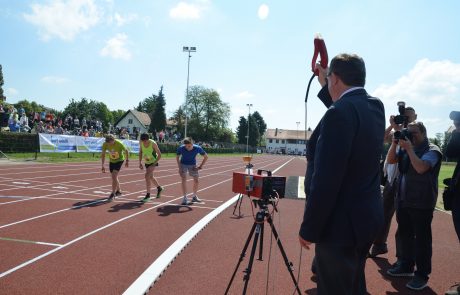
column 240, row 200
column 239, row 207
column 248, row 270
column 243, row 253
column 283, row 253
column 261, row 238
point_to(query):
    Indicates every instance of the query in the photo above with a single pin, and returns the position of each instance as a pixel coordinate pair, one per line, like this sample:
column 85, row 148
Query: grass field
column 79, row 157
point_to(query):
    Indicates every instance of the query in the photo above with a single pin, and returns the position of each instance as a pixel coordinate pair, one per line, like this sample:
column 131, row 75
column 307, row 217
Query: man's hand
column 406, row 144
column 140, row 166
column 103, row 169
column 304, row 243
column 322, row 73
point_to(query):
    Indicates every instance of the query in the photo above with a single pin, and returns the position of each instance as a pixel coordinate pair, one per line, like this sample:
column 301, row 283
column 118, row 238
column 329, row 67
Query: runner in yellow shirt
column 149, row 151
column 117, row 153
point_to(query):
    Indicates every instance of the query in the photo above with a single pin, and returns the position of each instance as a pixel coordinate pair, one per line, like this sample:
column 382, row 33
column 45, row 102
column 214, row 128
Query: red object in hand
column 320, row 48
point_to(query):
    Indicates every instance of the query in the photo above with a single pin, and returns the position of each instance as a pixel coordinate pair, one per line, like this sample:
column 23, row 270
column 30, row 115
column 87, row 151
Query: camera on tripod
column 262, row 185
column 402, row 119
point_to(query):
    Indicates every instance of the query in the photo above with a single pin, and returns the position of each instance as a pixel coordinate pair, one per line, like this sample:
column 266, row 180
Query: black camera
column 401, row 118
column 403, row 134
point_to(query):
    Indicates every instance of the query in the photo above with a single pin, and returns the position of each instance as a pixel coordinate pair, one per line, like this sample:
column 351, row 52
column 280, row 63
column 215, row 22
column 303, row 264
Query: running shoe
column 159, row 190
column 111, row 197
column 195, row 199
column 146, row 198
column 185, row 201
column 118, row 193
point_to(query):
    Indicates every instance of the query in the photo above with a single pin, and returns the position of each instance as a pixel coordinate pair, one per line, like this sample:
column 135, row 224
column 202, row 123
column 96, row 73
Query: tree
column 207, row 113
column 2, row 97
column 158, row 115
column 242, row 131
column 89, row 110
column 261, row 126
column 179, row 118
column 148, row 104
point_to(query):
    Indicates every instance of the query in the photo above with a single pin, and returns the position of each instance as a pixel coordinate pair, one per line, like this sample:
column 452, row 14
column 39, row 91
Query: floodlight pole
column 187, row 49
column 249, row 105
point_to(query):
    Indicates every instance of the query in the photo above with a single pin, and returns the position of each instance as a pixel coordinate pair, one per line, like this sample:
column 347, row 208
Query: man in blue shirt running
column 186, row 160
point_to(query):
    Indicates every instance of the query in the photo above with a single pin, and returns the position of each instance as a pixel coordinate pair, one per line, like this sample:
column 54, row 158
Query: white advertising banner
column 89, row 144
column 53, row 143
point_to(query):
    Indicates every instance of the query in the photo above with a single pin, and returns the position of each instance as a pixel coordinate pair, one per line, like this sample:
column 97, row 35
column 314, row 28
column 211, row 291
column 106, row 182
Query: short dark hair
column 350, row 68
column 419, row 125
column 145, row 136
column 188, row 140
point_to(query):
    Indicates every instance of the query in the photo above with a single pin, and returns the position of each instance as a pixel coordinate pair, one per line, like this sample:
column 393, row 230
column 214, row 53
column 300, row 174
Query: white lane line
column 20, row 182
column 3, row 274
column 30, row 242
column 143, row 283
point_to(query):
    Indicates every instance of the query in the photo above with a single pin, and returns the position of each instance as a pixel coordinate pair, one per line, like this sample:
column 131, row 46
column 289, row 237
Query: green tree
column 179, row 118
column 242, row 131
column 158, row 115
column 207, row 113
column 116, row 115
column 2, row 96
column 261, row 126
column 148, row 104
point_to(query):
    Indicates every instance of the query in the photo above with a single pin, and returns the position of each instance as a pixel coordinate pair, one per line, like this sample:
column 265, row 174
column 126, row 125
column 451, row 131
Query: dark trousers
column 389, row 192
column 456, row 214
column 414, row 227
column 341, row 269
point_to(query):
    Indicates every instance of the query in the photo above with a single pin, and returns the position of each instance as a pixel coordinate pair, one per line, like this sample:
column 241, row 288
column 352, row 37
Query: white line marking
column 19, row 182
column 142, row 284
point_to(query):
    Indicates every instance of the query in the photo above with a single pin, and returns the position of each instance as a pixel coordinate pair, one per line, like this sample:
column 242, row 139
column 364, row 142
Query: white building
column 134, row 119
column 282, row 141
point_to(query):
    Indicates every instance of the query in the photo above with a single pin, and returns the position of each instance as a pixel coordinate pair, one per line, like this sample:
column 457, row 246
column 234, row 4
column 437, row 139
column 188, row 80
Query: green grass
column 81, row 157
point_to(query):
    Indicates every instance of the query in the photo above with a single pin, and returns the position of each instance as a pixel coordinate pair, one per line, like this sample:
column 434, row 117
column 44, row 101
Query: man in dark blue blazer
column 344, row 209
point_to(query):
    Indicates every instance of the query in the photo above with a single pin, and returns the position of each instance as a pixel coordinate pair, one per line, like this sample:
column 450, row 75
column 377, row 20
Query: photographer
column 453, row 151
column 344, row 209
column 407, row 115
column 417, row 190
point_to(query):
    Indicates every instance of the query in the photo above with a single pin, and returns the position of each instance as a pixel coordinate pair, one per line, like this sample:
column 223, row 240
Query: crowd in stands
column 16, row 120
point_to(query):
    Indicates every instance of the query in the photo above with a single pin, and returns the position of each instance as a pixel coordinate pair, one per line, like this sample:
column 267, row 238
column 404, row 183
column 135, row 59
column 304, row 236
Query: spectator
column 21, row 111
column 83, row 122
column 417, row 183
column 59, row 129
column 76, row 122
column 24, row 122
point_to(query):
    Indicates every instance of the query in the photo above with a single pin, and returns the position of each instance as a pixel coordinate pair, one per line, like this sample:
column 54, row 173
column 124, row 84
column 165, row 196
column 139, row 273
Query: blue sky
column 258, row 52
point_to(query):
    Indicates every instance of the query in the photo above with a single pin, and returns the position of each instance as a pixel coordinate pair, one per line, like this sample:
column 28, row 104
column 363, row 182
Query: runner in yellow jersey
column 149, row 151
column 117, row 153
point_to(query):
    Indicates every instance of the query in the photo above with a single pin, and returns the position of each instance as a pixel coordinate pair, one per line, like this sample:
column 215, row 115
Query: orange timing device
column 258, row 185
column 320, row 49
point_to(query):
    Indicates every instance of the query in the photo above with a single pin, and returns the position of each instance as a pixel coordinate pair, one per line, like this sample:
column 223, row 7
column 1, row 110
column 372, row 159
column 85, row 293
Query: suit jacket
column 324, row 96
column 344, row 206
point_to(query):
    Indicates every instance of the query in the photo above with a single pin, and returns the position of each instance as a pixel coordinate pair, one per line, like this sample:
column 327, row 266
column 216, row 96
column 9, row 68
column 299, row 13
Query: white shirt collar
column 350, row 90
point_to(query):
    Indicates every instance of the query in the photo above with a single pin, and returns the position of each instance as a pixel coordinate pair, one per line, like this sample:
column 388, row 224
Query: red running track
column 58, row 235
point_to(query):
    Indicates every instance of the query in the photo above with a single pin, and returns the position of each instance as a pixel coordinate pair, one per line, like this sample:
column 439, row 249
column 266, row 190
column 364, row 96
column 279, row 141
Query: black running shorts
column 115, row 166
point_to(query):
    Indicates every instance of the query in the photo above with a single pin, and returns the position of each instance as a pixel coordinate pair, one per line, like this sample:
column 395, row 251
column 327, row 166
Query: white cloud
column 63, row 19
column 187, row 11
column 121, row 20
column 11, row 92
column 432, row 83
column 263, row 11
column 116, row 48
column 244, row 95
column 54, row 79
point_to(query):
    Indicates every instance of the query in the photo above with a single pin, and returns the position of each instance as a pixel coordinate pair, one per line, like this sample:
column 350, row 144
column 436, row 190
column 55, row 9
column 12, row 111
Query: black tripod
column 258, row 231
